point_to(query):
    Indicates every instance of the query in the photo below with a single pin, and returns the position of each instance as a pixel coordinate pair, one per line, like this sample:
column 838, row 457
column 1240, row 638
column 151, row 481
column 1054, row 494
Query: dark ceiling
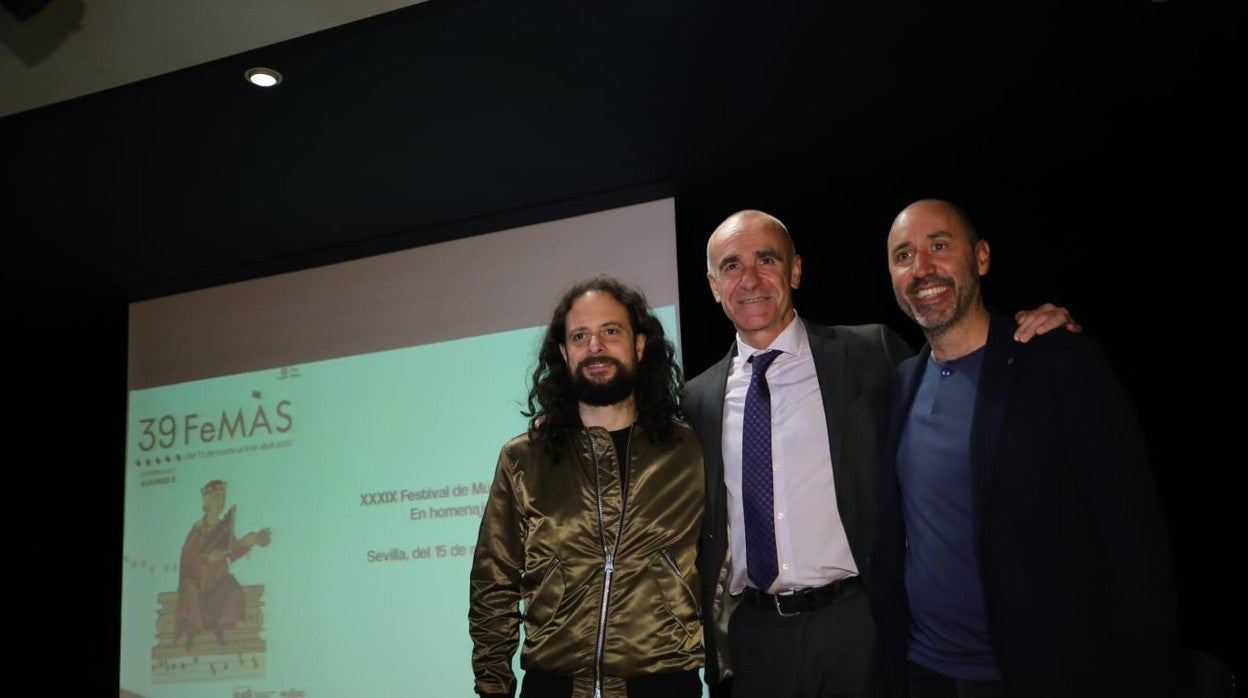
column 436, row 119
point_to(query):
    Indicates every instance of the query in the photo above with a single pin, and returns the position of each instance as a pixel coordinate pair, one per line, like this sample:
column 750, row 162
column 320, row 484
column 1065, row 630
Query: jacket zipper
column 608, row 554
column 671, row 562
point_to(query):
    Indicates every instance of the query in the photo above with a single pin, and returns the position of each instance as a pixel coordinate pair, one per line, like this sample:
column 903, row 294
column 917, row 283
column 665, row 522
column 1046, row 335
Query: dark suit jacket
column 853, row 365
column 1073, row 553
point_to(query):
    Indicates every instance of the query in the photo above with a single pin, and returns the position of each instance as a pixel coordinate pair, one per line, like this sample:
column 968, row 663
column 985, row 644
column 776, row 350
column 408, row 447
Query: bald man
column 1021, row 548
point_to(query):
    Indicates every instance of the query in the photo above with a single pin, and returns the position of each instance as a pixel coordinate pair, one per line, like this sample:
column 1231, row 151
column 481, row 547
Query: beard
column 936, row 321
column 600, row 394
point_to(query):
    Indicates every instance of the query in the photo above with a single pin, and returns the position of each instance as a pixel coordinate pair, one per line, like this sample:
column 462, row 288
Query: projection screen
column 350, row 417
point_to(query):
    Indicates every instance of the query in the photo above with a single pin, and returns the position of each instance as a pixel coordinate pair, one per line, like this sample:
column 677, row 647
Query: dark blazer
column 853, row 365
column 1073, row 552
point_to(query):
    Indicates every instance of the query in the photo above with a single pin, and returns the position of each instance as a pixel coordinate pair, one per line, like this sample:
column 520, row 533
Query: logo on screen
column 258, row 419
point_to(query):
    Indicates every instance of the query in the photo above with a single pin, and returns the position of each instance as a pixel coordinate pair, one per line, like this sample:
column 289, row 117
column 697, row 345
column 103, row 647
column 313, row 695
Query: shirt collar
column 792, row 340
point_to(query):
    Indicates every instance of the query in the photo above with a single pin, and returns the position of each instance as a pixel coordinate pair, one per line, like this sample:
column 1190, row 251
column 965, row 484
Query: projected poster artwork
column 306, row 528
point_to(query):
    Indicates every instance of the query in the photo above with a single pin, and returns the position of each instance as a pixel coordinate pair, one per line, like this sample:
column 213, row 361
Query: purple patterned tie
column 756, row 488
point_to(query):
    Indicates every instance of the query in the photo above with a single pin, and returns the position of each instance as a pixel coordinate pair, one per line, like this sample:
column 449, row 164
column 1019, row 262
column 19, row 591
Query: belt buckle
column 780, row 611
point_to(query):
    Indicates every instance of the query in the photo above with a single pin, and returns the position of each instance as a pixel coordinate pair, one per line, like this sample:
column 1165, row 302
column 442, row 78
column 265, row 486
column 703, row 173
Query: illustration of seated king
column 211, row 615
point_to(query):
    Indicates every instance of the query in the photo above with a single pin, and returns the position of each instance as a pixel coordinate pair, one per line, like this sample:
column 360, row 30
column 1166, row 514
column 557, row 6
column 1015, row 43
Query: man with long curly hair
column 589, row 538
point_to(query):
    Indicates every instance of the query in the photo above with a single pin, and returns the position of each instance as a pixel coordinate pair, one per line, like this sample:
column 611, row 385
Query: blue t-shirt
column 949, row 629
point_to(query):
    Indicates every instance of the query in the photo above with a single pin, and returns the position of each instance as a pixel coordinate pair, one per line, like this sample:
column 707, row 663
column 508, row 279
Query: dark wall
column 66, row 427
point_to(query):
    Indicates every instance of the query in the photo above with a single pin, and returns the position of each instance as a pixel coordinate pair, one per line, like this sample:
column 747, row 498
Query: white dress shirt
column 811, row 546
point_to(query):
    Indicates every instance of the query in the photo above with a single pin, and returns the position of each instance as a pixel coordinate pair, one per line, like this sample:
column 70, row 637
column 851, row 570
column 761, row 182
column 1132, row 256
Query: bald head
column 952, row 216
column 936, row 259
column 753, row 270
column 748, row 218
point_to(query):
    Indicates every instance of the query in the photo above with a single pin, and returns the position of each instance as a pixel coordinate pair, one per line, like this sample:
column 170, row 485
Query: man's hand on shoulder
column 1043, row 319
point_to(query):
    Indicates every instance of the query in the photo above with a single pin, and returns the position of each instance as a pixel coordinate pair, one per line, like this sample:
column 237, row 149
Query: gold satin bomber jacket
column 604, row 580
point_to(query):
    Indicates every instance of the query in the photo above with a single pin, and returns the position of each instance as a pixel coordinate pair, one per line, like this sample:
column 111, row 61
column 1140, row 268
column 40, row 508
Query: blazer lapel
column 829, row 356
column 996, row 384
column 711, row 422
column 714, row 407
column 906, row 383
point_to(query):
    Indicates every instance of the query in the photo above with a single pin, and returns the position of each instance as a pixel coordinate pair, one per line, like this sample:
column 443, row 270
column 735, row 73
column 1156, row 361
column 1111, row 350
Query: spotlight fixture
column 263, row 77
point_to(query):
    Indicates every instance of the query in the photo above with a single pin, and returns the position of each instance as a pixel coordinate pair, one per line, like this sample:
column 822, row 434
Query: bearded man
column 589, row 538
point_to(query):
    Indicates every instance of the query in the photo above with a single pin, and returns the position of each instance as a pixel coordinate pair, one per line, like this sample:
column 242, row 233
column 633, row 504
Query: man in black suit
column 809, row 633
column 1021, row 548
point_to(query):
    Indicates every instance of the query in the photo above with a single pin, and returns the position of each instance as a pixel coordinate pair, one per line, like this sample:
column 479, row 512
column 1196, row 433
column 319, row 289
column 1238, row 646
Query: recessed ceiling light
column 263, row 77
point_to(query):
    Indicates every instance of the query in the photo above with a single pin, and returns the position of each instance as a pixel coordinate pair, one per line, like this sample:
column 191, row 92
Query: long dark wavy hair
column 553, row 407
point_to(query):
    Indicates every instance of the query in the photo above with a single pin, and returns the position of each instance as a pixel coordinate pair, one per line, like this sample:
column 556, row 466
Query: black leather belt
column 804, row 600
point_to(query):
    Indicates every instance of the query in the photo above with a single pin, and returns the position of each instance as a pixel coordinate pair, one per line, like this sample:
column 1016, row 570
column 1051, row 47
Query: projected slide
column 360, row 482
column 308, row 455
